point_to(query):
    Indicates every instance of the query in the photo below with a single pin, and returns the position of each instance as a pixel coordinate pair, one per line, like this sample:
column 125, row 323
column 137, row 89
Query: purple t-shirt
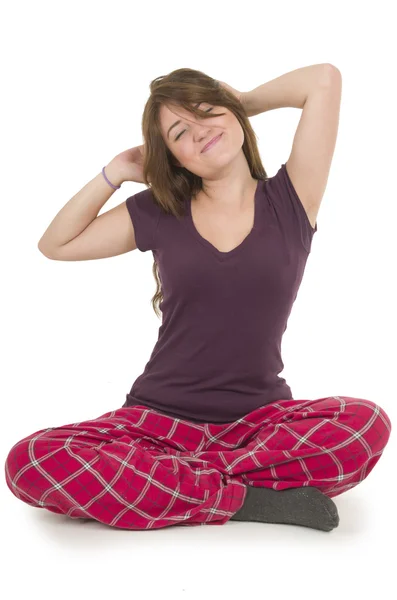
column 218, row 353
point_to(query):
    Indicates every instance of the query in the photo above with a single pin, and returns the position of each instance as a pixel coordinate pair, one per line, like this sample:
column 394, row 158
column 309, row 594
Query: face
column 187, row 139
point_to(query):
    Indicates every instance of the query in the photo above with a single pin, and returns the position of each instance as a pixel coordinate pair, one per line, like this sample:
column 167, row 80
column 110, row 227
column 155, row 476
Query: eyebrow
column 177, row 122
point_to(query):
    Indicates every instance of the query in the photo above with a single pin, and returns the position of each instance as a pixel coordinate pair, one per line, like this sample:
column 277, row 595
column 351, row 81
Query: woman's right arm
column 77, row 233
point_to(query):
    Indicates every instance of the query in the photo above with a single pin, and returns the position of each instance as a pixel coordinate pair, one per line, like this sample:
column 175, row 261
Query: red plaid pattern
column 136, row 468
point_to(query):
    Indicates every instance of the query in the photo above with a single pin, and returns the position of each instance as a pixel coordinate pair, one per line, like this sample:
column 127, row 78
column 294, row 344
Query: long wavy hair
column 171, row 184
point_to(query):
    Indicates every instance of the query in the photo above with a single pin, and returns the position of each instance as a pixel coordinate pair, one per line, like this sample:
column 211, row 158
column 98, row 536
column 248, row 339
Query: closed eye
column 179, row 135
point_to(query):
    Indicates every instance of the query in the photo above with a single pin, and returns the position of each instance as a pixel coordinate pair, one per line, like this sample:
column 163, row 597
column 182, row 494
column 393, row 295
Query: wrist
column 248, row 101
column 113, row 173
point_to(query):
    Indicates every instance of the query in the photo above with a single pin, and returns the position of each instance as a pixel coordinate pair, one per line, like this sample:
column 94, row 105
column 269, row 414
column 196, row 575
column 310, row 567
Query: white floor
column 46, row 556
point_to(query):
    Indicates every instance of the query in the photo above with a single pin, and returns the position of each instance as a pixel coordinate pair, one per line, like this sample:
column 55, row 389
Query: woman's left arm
column 288, row 90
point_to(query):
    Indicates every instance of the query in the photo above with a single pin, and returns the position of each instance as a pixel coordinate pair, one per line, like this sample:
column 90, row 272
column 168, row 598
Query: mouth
column 211, row 143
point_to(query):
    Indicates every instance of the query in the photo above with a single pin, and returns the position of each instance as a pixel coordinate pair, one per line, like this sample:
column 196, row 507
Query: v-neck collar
column 225, row 255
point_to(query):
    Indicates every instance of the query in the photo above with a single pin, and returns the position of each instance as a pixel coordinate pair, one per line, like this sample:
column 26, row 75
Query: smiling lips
column 211, row 142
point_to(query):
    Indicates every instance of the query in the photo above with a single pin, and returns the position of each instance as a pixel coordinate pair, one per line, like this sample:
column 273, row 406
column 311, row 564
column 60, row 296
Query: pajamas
column 136, row 468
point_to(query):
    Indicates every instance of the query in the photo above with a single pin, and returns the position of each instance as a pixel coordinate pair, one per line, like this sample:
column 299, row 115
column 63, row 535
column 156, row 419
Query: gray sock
column 306, row 506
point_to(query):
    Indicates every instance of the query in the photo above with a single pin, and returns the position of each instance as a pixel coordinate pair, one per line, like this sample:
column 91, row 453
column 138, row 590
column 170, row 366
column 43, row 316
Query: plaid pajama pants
column 137, row 468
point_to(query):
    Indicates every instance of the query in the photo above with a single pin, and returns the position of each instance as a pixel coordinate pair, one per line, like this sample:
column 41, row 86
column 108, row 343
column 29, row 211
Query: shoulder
column 145, row 202
column 145, row 214
column 288, row 207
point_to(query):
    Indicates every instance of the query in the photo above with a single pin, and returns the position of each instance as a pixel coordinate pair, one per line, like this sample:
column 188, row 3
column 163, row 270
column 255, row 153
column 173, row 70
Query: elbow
column 45, row 252
column 331, row 71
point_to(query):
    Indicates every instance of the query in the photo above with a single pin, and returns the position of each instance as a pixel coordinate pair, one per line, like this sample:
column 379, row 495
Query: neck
column 226, row 195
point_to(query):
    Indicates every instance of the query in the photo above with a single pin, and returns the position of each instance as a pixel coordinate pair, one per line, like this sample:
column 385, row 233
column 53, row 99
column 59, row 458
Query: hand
column 241, row 96
column 129, row 164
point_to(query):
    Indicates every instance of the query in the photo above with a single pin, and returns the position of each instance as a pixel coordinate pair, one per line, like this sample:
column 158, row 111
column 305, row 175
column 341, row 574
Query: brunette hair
column 171, row 184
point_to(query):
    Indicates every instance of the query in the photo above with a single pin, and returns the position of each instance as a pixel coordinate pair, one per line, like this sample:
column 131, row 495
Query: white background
column 75, row 335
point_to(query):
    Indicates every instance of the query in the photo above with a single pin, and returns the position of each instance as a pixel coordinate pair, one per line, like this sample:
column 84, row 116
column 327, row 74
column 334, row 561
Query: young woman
column 209, row 431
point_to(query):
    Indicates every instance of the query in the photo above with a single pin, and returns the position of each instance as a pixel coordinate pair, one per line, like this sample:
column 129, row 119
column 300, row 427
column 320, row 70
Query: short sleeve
column 288, row 207
column 145, row 216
